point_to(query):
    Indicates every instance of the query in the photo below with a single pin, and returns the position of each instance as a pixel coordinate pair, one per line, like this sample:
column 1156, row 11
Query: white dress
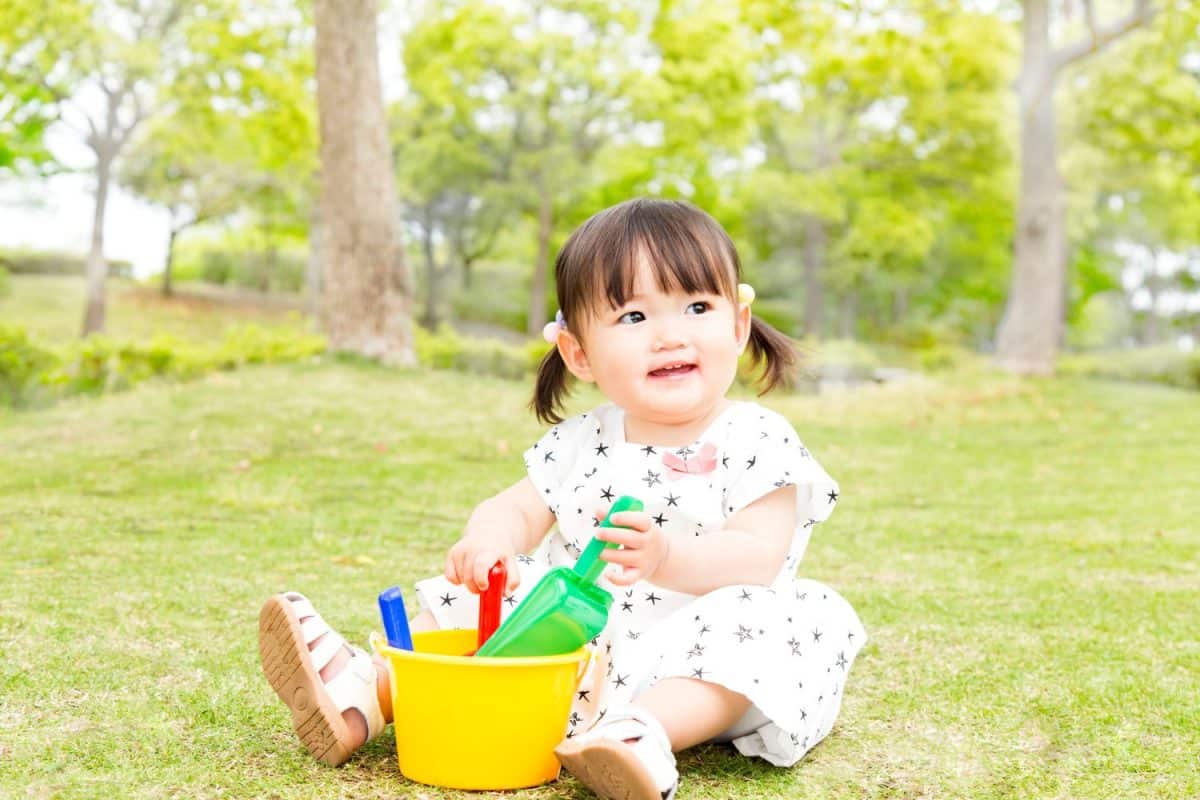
column 787, row 647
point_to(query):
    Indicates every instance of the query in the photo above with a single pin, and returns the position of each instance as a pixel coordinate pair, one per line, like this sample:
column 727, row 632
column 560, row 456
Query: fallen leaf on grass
column 353, row 561
column 381, row 447
column 242, row 465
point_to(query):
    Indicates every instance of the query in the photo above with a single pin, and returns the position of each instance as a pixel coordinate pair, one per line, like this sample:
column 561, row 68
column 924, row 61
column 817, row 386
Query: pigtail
column 551, row 388
column 770, row 347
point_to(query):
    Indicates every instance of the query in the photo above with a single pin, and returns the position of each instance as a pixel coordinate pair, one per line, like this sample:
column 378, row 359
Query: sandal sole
column 610, row 769
column 290, row 671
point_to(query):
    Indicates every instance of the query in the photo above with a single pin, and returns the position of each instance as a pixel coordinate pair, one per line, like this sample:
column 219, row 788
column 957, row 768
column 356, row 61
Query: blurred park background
column 908, row 183
column 271, row 281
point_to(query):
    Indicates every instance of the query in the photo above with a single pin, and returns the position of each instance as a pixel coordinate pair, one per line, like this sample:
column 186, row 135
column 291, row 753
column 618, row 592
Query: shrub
column 100, row 364
column 48, row 262
column 1167, row 365
column 445, row 349
column 23, row 365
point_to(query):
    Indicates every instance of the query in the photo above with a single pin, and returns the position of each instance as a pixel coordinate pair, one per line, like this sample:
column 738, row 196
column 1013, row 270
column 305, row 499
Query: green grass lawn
column 1024, row 556
column 50, row 308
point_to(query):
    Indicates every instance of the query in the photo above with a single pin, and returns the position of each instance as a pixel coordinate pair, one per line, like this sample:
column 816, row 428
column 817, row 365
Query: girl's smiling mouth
column 676, row 369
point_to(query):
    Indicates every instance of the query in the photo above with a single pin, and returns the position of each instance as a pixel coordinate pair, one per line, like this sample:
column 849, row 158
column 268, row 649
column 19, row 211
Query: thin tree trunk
column 167, row 288
column 430, row 319
column 850, row 314
column 1028, row 335
column 368, row 296
column 97, row 267
column 815, row 242
column 537, row 289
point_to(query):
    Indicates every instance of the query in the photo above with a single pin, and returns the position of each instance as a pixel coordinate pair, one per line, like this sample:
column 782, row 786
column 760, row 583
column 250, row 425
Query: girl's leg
column 355, row 722
column 692, row 711
column 629, row 754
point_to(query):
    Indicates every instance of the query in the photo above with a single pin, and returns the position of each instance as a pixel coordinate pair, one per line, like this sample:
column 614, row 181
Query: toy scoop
column 566, row 609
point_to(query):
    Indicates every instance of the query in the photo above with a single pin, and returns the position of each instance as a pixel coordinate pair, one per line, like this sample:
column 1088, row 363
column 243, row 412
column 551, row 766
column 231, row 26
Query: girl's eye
column 631, row 317
column 698, row 307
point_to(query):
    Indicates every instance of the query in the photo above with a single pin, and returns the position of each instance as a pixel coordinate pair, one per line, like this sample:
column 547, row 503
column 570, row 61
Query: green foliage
column 494, row 297
column 21, row 261
column 5, row 282
column 1166, row 365
column 23, row 365
column 446, row 349
column 32, row 374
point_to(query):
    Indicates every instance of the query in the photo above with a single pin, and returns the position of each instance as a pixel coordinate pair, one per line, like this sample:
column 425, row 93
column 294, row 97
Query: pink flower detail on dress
column 702, row 463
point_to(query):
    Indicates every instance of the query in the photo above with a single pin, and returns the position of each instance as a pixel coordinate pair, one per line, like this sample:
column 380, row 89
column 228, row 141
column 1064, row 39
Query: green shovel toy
column 566, row 609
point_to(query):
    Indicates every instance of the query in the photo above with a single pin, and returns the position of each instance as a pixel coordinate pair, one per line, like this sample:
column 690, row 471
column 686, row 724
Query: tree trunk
column 97, row 267
column 537, row 288
column 430, row 319
column 1029, row 332
column 849, row 321
column 167, row 288
column 815, row 241
column 368, row 297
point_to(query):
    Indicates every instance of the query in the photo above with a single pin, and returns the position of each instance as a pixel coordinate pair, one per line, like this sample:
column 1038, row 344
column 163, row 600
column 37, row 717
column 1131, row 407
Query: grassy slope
column 1024, row 557
column 50, row 308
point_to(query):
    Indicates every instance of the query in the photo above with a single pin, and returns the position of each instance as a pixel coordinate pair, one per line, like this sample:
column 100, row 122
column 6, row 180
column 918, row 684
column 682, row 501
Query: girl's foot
column 625, row 756
column 332, row 689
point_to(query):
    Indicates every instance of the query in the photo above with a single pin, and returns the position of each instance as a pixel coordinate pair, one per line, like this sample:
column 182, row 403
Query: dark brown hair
column 688, row 251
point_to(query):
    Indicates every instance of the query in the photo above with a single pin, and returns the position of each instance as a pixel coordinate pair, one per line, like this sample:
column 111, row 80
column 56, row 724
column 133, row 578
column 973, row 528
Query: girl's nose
column 668, row 337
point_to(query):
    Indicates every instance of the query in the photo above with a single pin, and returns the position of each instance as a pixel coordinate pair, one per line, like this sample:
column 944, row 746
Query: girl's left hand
column 644, row 546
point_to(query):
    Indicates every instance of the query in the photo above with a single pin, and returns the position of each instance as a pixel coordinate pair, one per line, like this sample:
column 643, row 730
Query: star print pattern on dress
column 752, row 639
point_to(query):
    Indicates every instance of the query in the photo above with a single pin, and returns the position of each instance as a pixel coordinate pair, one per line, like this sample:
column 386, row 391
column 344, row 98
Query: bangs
column 687, row 250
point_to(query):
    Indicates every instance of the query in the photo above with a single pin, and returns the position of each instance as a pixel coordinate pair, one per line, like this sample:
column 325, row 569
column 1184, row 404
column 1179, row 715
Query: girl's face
column 667, row 358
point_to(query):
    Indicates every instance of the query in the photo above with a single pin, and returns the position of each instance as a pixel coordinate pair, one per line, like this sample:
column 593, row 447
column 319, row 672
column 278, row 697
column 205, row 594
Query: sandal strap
column 313, row 628
column 326, row 649
column 354, row 687
column 301, row 605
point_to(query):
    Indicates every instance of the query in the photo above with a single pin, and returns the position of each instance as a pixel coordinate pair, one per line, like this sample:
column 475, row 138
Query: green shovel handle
column 589, row 566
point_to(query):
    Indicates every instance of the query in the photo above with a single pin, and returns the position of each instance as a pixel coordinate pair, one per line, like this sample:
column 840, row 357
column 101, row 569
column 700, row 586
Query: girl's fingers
column 624, row 576
column 626, row 558
column 638, row 520
column 514, row 574
column 621, row 536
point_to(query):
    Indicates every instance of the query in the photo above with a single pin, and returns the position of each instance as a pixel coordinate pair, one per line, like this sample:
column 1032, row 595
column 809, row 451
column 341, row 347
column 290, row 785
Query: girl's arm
column 750, row 549
column 511, row 522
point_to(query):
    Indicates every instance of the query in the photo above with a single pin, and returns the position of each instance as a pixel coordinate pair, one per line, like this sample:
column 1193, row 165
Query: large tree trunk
column 368, row 297
column 815, row 242
column 97, row 267
column 537, row 288
column 1029, row 332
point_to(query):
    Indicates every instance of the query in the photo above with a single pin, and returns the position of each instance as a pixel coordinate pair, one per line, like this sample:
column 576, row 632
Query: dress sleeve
column 553, row 457
column 765, row 455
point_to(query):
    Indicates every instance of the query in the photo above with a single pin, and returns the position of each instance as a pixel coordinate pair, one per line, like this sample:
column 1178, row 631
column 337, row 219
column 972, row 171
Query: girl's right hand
column 473, row 556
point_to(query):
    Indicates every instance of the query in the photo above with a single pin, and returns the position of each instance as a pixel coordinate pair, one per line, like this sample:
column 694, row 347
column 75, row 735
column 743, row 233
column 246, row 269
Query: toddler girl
column 711, row 636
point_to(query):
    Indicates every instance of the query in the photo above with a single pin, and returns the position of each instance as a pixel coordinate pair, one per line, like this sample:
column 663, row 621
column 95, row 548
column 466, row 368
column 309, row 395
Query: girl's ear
column 741, row 326
column 573, row 356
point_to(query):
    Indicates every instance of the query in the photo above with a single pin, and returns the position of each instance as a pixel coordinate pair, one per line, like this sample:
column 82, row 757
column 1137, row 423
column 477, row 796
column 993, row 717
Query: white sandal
column 294, row 672
column 619, row 770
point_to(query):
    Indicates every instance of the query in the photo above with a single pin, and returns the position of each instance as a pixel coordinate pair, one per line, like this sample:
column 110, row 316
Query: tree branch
column 1101, row 38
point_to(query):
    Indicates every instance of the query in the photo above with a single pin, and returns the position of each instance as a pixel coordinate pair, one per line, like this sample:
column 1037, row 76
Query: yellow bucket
column 478, row 723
